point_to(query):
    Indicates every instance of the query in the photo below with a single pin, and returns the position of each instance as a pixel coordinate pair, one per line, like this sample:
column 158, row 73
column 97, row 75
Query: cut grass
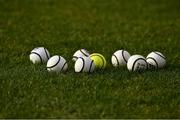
column 29, row 91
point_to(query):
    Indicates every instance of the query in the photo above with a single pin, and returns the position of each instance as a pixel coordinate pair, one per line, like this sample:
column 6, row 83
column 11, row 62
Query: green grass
column 104, row 26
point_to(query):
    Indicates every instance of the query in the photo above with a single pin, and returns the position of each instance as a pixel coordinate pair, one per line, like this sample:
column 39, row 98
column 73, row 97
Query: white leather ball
column 80, row 53
column 39, row 55
column 156, row 60
column 120, row 58
column 137, row 63
column 84, row 64
column 57, row 64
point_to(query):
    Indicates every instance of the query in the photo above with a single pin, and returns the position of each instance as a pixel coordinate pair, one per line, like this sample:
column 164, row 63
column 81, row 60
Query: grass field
column 104, row 26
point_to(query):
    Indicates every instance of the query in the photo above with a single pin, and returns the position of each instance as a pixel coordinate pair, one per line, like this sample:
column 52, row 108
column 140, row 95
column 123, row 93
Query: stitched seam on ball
column 146, row 64
column 56, row 63
column 63, row 66
column 75, row 57
column 90, row 66
column 84, row 53
column 154, row 61
column 46, row 53
column 83, row 64
column 116, row 59
column 38, row 55
column 123, row 56
column 160, row 55
column 101, row 59
column 136, row 61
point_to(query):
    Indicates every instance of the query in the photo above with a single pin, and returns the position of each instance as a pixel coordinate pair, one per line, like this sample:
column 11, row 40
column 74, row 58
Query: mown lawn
column 104, row 26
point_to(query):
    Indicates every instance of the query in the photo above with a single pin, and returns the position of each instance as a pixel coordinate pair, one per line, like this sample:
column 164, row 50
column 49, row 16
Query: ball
column 156, row 60
column 39, row 55
column 120, row 58
column 84, row 64
column 99, row 60
column 56, row 64
column 80, row 53
column 137, row 63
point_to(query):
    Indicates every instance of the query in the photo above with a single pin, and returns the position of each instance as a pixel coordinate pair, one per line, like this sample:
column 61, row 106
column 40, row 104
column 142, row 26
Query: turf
column 103, row 26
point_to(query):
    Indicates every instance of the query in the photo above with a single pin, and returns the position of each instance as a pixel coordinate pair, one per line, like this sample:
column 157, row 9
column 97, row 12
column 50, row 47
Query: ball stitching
column 83, row 53
column 154, row 61
column 38, row 55
column 56, row 63
column 123, row 56
column 136, row 61
column 83, row 64
column 116, row 59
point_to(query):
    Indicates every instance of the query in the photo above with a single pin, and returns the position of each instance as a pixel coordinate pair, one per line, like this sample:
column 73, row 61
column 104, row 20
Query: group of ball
column 86, row 62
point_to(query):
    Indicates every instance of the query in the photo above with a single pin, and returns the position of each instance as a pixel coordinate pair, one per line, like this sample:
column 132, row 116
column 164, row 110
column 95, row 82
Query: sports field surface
column 103, row 26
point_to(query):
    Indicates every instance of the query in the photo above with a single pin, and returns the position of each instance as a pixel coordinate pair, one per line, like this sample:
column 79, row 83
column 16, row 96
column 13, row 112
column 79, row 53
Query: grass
column 104, row 26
